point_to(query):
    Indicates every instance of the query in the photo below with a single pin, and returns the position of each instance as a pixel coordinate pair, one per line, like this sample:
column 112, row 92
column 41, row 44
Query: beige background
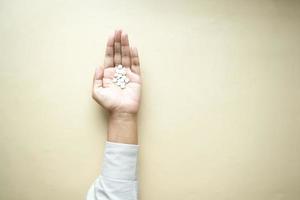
column 220, row 115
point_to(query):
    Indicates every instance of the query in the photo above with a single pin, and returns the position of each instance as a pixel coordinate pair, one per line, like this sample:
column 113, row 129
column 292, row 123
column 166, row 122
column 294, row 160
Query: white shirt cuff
column 120, row 161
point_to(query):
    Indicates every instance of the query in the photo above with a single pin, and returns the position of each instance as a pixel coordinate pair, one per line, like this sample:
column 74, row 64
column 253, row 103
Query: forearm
column 122, row 128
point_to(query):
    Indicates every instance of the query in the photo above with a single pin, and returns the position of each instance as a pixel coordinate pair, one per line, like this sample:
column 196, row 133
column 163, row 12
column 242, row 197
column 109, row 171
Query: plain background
column 220, row 116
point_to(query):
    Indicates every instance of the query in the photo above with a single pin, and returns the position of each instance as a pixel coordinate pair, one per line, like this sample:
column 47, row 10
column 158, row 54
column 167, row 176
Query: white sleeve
column 118, row 180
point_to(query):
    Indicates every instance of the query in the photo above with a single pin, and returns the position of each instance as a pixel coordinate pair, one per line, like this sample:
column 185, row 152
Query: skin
column 122, row 104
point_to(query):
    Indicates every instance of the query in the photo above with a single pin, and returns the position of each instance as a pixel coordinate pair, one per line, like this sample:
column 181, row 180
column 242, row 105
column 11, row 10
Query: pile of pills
column 120, row 78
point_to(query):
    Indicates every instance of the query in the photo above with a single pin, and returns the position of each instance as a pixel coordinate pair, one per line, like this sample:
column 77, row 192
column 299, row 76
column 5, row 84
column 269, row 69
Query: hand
column 105, row 92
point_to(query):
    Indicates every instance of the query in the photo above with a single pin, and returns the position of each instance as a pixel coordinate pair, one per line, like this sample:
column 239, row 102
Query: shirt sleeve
column 118, row 180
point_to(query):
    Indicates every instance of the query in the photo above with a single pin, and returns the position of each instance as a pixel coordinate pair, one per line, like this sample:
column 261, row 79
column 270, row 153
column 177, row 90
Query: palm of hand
column 105, row 92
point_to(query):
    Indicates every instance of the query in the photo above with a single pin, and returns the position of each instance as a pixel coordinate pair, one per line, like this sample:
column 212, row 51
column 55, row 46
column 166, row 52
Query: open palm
column 105, row 92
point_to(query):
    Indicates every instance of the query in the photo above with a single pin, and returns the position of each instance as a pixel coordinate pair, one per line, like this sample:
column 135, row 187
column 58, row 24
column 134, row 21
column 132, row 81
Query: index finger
column 109, row 53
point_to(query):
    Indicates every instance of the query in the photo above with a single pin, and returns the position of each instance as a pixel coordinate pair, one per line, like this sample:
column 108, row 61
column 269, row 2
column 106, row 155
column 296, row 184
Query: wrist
column 122, row 116
column 122, row 127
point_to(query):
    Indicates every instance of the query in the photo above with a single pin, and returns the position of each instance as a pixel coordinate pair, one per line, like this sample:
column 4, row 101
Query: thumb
column 98, row 76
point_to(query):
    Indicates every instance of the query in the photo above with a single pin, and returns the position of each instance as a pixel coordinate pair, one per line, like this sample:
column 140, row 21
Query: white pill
column 123, row 71
column 123, row 84
column 126, row 80
column 119, row 76
column 119, row 66
column 119, row 71
column 119, row 83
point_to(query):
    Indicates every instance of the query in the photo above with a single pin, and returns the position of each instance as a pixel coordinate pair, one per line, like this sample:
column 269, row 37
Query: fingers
column 117, row 47
column 109, row 53
column 118, row 52
column 135, row 61
column 125, row 50
column 98, row 78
